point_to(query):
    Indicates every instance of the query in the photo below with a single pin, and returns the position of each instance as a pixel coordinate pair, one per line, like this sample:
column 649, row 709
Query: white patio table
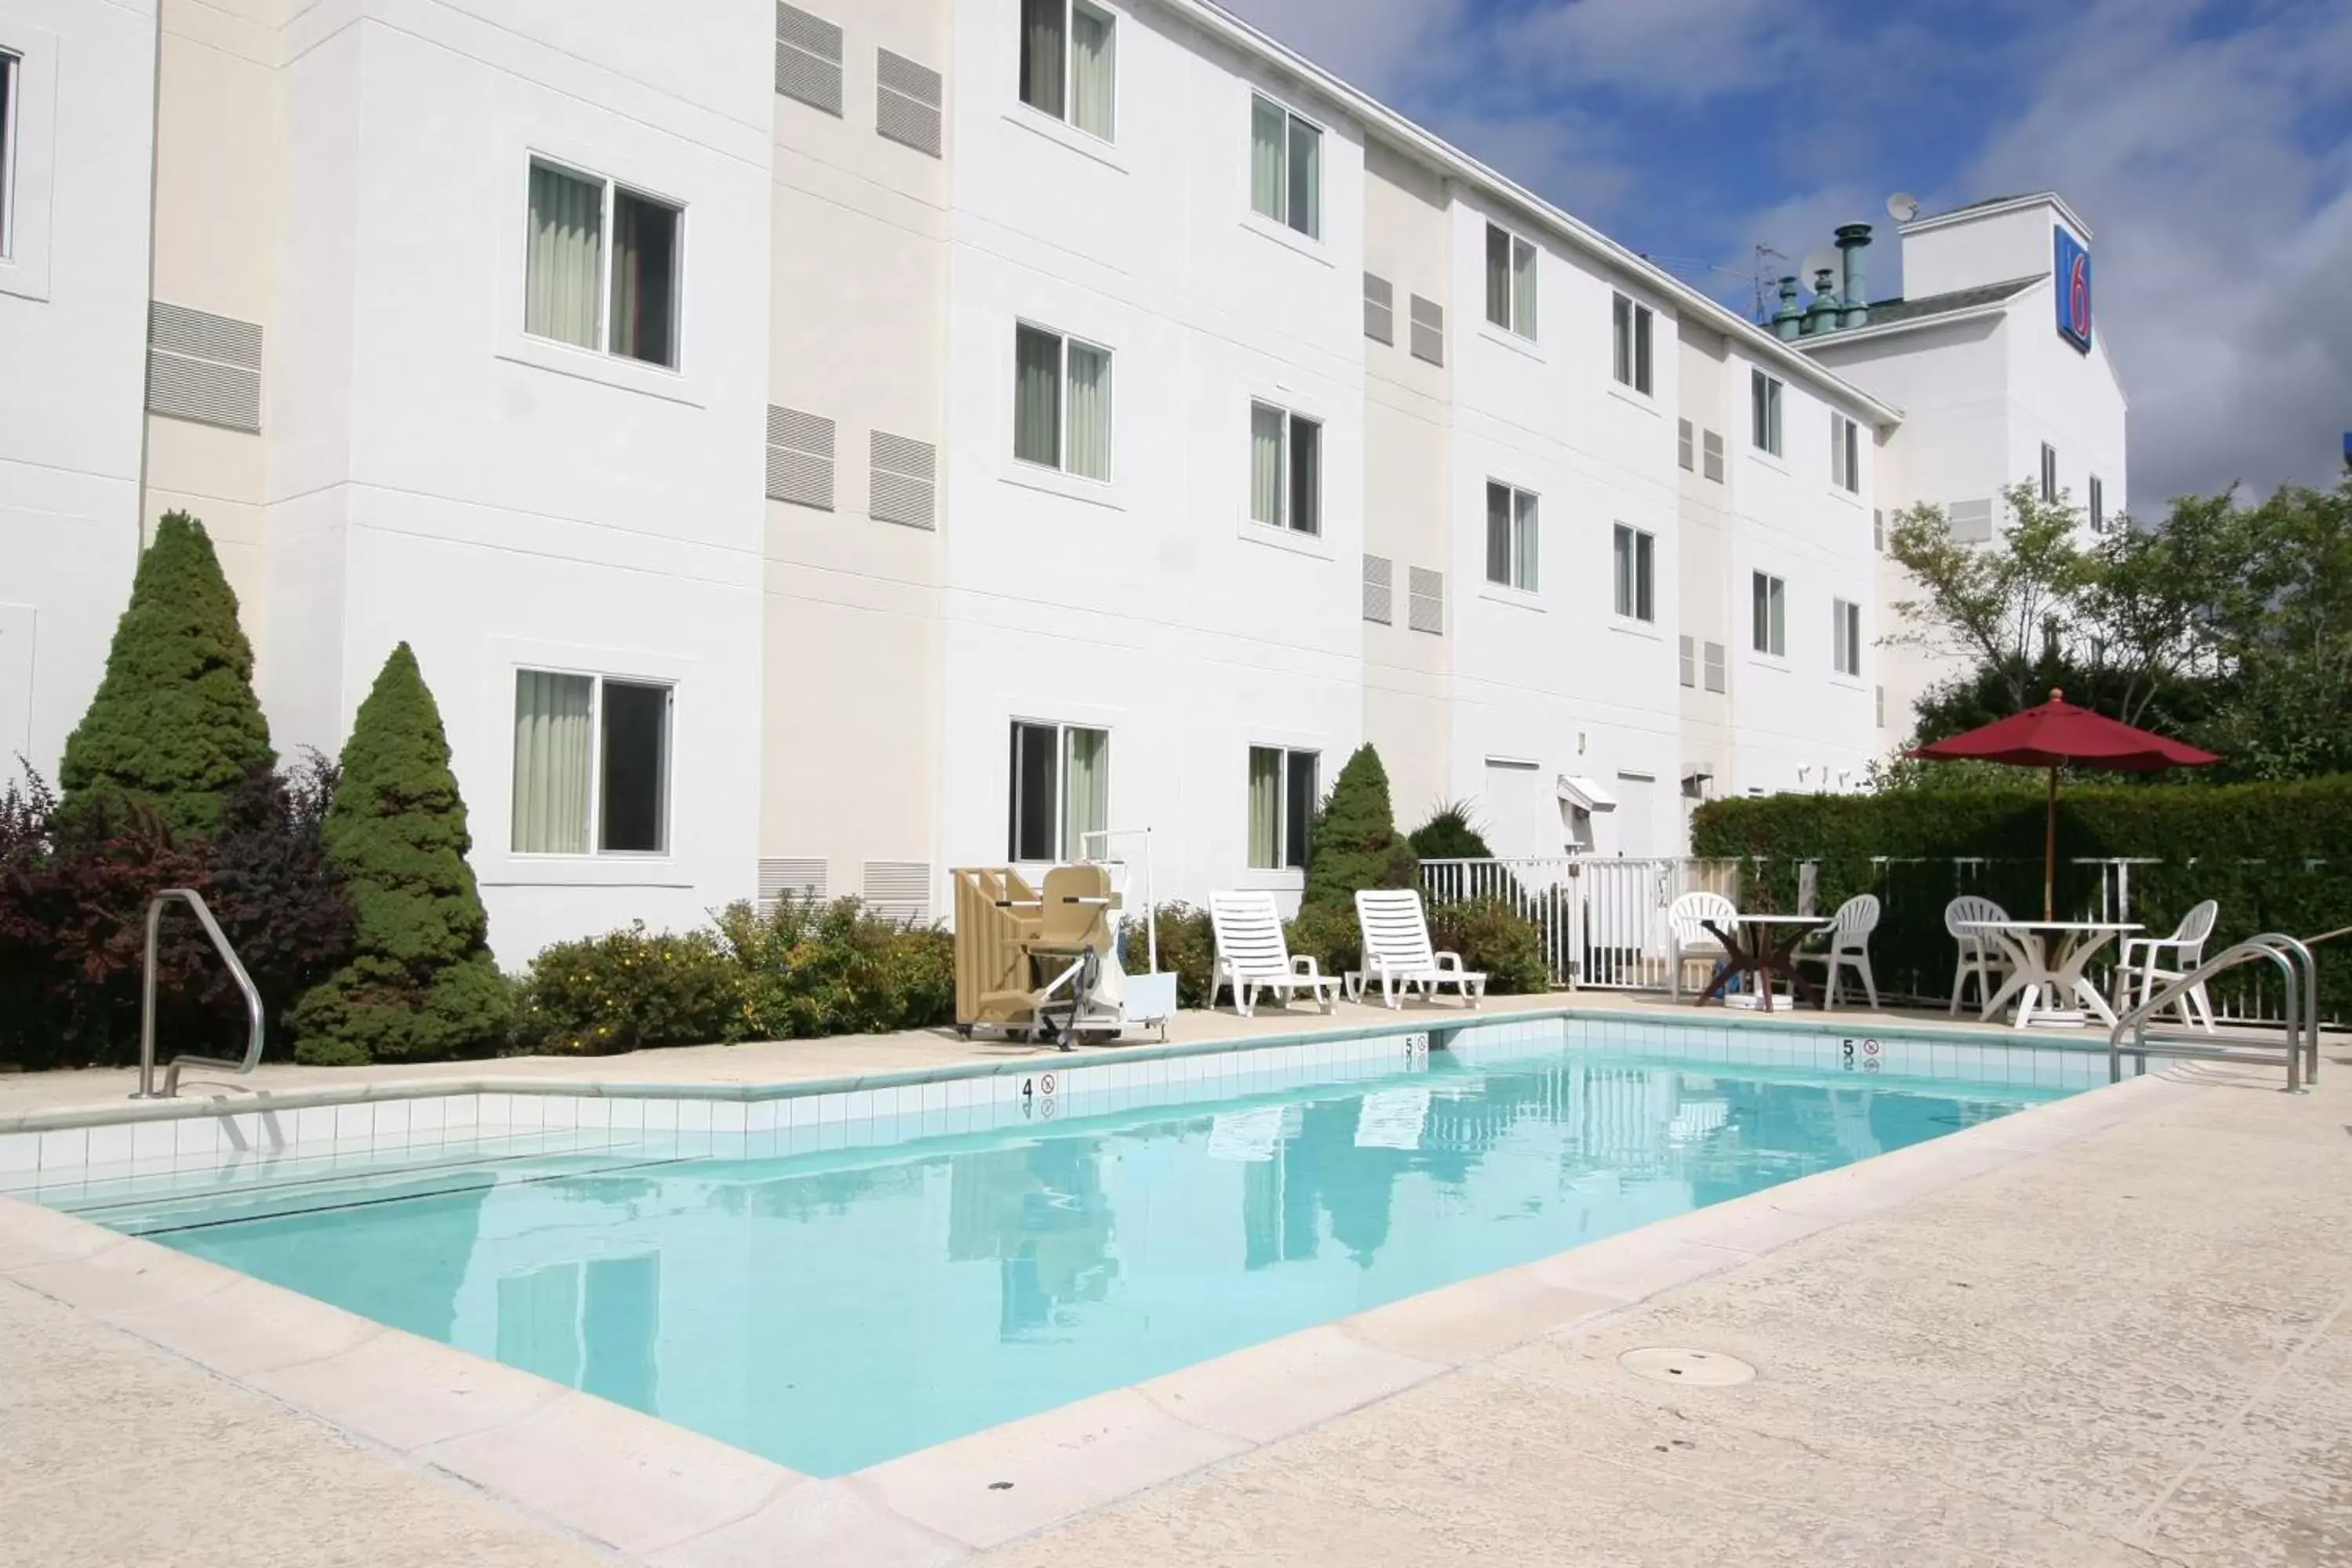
column 2047, row 959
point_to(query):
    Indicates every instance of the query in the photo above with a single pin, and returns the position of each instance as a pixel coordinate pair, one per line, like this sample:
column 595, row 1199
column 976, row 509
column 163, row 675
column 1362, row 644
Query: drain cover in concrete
column 1705, row 1369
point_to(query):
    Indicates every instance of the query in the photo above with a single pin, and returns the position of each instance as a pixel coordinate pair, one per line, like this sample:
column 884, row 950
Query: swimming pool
column 838, row 1288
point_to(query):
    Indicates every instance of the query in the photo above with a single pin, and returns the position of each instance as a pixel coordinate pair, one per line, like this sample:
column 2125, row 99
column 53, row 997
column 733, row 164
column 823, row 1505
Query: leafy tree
column 1451, row 834
column 175, row 725
column 421, row 981
column 1355, row 840
column 2002, row 609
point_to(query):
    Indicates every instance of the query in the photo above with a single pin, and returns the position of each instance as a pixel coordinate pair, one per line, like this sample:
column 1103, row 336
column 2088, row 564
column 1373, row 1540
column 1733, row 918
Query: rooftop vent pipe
column 1822, row 315
column 1785, row 320
column 1853, row 239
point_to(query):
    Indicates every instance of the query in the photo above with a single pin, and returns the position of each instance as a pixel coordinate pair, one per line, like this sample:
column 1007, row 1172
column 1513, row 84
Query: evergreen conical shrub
column 420, row 981
column 175, row 726
column 1355, row 841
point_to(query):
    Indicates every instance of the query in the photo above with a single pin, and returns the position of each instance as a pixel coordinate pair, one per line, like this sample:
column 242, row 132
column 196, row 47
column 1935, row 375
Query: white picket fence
column 1603, row 920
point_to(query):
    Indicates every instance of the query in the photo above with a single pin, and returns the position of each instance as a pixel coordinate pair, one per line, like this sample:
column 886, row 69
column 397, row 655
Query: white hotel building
column 824, row 447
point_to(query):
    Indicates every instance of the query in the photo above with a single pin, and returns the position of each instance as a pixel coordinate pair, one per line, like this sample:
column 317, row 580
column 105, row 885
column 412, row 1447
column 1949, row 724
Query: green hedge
column 2277, row 857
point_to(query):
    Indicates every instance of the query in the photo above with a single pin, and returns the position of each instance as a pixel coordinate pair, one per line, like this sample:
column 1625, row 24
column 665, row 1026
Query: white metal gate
column 1601, row 919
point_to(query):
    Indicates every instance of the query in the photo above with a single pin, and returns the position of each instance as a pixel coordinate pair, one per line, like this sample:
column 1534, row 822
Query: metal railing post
column 195, row 902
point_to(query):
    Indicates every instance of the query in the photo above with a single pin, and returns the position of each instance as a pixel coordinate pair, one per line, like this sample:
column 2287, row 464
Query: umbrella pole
column 2050, row 854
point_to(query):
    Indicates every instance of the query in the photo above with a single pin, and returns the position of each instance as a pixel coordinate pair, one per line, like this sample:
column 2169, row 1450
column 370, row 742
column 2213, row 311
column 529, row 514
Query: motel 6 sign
column 2073, row 276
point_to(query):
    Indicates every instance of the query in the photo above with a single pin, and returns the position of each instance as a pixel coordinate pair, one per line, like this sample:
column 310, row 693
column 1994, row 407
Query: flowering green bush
column 629, row 990
column 1492, row 938
column 813, row 968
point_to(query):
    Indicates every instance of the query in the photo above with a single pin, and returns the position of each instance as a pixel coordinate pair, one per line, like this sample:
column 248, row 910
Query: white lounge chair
column 1849, row 948
column 1397, row 951
column 1252, row 958
column 2137, row 963
column 1689, row 942
column 1983, row 958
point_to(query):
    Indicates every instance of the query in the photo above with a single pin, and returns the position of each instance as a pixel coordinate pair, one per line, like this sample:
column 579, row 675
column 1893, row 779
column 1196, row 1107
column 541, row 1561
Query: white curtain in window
column 1268, row 123
column 552, row 743
column 1524, row 555
column 1093, row 73
column 1306, row 179
column 564, row 266
column 1037, row 397
column 1523, row 281
column 1086, row 789
column 1265, row 808
column 1089, row 412
column 1041, row 54
column 1265, row 464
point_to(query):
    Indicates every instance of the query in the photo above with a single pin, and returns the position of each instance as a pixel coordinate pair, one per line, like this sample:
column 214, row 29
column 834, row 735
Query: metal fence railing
column 1601, row 920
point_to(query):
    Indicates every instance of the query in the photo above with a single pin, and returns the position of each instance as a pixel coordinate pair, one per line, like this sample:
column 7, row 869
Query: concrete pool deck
column 2109, row 1329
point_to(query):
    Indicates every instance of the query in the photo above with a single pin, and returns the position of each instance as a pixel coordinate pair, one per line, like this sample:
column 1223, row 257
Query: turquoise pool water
column 840, row 1306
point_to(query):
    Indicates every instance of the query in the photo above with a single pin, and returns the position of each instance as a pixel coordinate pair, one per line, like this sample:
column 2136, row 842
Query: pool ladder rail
column 2299, row 1044
column 195, row 901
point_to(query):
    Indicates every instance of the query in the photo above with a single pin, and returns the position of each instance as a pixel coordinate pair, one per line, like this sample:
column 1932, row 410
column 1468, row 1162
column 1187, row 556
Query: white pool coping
column 663, row 1494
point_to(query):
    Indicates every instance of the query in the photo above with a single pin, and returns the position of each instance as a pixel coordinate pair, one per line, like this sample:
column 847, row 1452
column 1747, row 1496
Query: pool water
column 839, row 1307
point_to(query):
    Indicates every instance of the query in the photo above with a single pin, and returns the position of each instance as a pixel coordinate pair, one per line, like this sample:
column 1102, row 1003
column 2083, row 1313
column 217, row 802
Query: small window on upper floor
column 2049, row 474
column 1511, row 265
column 1630, row 324
column 620, row 297
column 1286, row 470
column 1764, row 412
column 1636, row 559
column 8, row 72
column 1510, row 537
column 1069, row 64
column 1286, row 167
column 1061, row 403
column 2098, row 505
column 1845, row 453
column 1845, row 637
column 1769, row 622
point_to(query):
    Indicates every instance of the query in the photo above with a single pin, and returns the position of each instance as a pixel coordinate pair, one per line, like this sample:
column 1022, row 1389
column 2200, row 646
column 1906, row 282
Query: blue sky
column 2209, row 147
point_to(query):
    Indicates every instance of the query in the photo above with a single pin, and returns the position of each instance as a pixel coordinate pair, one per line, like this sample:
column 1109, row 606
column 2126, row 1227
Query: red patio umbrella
column 2055, row 735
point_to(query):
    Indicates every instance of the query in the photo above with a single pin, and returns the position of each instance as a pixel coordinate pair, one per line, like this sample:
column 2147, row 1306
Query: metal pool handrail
column 2295, row 963
column 195, row 901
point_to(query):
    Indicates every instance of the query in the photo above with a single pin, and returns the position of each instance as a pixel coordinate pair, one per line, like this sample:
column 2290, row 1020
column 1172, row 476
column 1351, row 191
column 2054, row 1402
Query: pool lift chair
column 1043, row 964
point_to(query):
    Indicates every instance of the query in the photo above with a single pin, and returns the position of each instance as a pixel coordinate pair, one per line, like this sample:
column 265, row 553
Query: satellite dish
column 1902, row 207
column 1817, row 262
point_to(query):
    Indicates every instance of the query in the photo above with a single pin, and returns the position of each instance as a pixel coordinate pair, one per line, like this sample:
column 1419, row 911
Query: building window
column 1881, row 707
column 1510, row 537
column 1286, row 470
column 591, row 765
column 1686, row 440
column 1845, row 453
column 1636, row 561
column 1510, row 281
column 1282, row 795
column 1061, row 403
column 1845, row 636
column 1286, row 167
column 2098, row 505
column 1069, row 66
column 1878, row 529
column 9, row 65
column 1764, row 411
column 1061, row 790
column 1689, row 660
column 1771, row 616
column 1711, row 454
column 1631, row 323
column 2049, row 474
column 577, row 289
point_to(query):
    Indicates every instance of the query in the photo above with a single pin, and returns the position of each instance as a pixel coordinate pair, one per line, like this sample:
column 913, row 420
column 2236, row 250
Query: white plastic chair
column 1253, row 957
column 1849, row 948
column 1688, row 941
column 2137, row 961
column 1982, row 956
column 1397, row 951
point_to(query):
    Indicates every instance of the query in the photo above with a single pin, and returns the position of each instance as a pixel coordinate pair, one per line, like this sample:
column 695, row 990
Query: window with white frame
column 1061, row 403
column 591, row 764
column 1770, row 616
column 1061, row 790
column 10, row 67
column 1630, row 327
column 1845, row 637
column 600, row 269
column 1069, row 64
column 1636, row 564
column 2049, row 474
column 1845, row 452
column 2098, row 505
column 1764, row 411
column 1286, row 167
column 1282, row 795
column 1510, row 537
column 1286, row 470
column 1510, row 281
